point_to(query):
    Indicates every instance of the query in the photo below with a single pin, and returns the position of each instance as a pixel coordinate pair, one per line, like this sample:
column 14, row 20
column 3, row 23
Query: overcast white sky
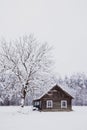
column 62, row 23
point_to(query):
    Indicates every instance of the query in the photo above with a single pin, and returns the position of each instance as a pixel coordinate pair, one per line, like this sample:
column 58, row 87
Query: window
column 49, row 104
column 63, row 104
column 37, row 103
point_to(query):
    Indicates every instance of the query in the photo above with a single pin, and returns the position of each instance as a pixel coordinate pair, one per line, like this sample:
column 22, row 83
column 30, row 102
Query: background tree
column 28, row 60
column 9, row 92
column 77, row 85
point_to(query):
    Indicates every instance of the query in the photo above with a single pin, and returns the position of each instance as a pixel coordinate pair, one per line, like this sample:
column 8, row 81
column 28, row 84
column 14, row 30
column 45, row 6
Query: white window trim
column 47, row 104
column 65, row 101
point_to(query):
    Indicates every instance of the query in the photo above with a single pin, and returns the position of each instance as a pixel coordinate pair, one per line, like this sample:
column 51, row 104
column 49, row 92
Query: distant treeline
column 10, row 93
column 78, row 85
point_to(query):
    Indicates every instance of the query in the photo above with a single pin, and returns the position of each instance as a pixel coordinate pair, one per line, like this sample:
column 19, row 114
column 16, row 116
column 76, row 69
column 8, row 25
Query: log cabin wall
column 56, row 95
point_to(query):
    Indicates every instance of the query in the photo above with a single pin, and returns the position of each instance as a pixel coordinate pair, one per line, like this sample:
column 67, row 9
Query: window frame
column 63, row 101
column 49, row 104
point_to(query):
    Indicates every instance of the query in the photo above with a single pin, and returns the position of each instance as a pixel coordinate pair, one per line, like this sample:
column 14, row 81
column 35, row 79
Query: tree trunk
column 23, row 92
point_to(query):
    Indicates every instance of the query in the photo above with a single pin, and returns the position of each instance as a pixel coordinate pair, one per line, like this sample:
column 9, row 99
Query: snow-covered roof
column 64, row 88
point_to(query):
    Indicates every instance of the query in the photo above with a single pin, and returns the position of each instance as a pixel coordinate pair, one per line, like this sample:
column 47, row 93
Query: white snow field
column 15, row 118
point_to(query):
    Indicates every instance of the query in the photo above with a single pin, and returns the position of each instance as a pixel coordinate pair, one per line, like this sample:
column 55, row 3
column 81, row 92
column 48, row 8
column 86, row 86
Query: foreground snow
column 15, row 118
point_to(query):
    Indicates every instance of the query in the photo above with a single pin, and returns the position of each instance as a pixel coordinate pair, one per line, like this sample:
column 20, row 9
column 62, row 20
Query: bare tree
column 28, row 59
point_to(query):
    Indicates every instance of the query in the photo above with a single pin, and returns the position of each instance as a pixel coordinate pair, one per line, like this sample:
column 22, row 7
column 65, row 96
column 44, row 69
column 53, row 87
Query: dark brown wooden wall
column 56, row 94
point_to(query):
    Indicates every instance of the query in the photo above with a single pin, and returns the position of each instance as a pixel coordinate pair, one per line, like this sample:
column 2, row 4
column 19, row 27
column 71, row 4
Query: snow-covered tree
column 78, row 84
column 27, row 59
column 9, row 91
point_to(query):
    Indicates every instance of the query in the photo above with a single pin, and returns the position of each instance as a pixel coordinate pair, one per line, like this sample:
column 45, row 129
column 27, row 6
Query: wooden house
column 56, row 99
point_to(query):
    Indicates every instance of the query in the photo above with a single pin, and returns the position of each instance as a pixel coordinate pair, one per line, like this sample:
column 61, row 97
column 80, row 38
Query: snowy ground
column 13, row 118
